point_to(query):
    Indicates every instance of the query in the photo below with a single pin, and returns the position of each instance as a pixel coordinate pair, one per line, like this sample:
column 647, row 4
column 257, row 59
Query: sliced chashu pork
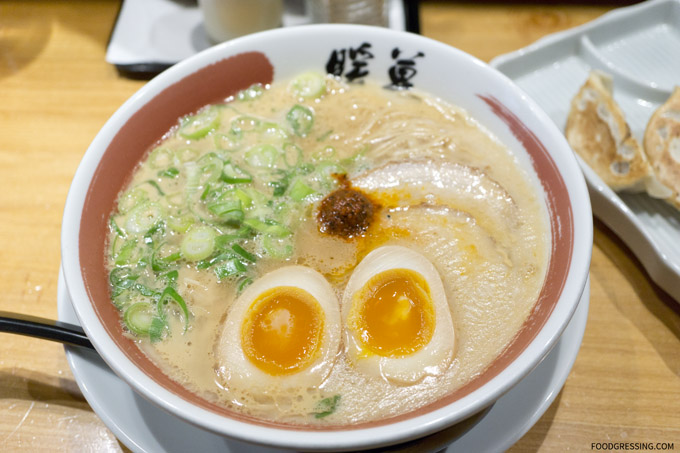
column 433, row 182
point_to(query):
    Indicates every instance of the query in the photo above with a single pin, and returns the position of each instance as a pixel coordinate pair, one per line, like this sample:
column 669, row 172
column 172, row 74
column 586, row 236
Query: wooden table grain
column 56, row 91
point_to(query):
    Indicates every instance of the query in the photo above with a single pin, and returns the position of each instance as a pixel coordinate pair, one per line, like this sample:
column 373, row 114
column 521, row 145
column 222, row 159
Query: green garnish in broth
column 300, row 119
column 224, row 192
column 308, row 85
column 326, row 406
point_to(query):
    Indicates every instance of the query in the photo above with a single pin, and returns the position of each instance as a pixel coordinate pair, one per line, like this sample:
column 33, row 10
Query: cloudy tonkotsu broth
column 233, row 193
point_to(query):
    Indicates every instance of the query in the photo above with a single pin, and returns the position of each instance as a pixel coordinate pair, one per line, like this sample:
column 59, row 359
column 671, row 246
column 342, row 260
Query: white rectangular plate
column 640, row 47
column 155, row 34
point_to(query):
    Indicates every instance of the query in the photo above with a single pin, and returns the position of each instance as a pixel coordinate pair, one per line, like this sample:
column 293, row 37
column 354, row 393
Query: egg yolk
column 282, row 330
column 393, row 314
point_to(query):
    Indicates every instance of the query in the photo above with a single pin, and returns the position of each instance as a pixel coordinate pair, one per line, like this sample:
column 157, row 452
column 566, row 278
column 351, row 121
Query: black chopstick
column 46, row 329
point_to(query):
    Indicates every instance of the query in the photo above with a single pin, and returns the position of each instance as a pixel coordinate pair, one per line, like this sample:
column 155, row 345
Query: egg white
column 435, row 356
column 239, row 372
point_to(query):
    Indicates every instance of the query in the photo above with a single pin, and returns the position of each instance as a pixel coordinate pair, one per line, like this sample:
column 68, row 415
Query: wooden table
column 56, row 91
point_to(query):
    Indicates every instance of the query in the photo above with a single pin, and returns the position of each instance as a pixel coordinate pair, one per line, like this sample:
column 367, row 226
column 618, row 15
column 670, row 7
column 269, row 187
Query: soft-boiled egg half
column 283, row 332
column 397, row 319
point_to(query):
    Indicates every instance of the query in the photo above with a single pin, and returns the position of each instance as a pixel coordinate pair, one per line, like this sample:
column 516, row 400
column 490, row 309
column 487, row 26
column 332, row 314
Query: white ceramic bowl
column 214, row 74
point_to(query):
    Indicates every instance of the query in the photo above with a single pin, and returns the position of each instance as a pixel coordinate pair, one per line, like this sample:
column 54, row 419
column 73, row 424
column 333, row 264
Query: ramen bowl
column 396, row 61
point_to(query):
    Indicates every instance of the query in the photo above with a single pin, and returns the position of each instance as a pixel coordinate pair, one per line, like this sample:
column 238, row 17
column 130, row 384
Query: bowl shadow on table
column 659, row 303
column 31, row 385
column 27, row 29
column 25, row 37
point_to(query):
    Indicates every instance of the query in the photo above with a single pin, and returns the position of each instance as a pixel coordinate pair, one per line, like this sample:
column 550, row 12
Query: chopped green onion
column 276, row 247
column 145, row 290
column 199, row 125
column 204, row 264
column 279, row 188
column 299, row 190
column 308, row 85
column 222, row 207
column 122, row 298
column 157, row 229
column 270, row 227
column 171, row 172
column 186, row 154
column 160, row 158
column 210, row 167
column 233, row 174
column 171, row 277
column 132, row 198
column 163, row 255
column 198, row 243
column 229, row 141
column 277, row 230
column 142, row 262
column 180, row 224
column 258, row 206
column 244, row 253
column 193, row 179
column 252, row 92
column 246, row 199
column 281, row 185
column 227, row 204
column 171, row 294
column 143, row 217
column 300, row 119
column 244, row 124
column 157, row 328
column 282, row 210
column 325, row 172
column 272, row 133
column 125, row 254
column 262, row 156
column 208, row 204
column 227, row 210
column 138, row 317
column 116, row 229
column 225, row 240
column 244, row 284
column 207, row 191
column 155, row 185
column 326, row 406
column 122, row 277
column 230, row 268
